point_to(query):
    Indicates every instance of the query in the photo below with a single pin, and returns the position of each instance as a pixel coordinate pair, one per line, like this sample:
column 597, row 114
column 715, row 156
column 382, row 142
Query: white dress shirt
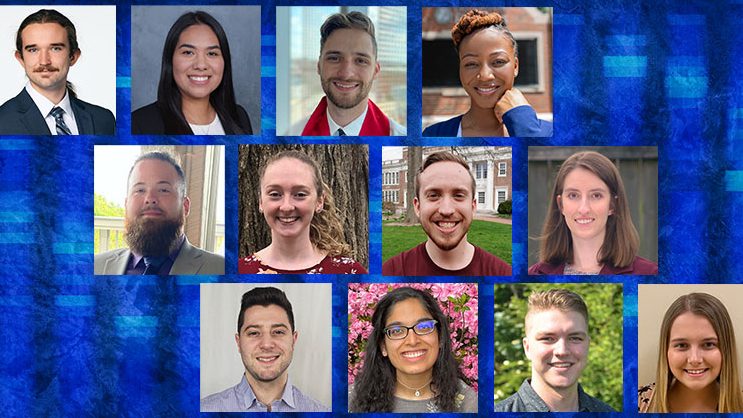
column 45, row 106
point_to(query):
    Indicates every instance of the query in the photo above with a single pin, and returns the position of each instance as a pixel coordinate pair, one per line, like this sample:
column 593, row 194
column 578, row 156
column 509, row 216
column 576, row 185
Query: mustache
column 42, row 68
column 150, row 209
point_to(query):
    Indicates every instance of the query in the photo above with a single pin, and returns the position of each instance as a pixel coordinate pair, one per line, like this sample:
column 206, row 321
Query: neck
column 291, row 253
column 585, row 254
column 480, row 121
column 683, row 399
column 198, row 111
column 345, row 116
column 267, row 392
column 457, row 258
column 557, row 399
column 55, row 95
column 406, row 385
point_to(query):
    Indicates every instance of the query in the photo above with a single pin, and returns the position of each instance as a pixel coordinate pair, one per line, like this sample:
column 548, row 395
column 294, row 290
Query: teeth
column 560, row 365
column 267, row 359
column 583, row 221
column 345, row 86
column 413, row 354
column 194, row 78
column 288, row 220
column 696, row 372
column 447, row 224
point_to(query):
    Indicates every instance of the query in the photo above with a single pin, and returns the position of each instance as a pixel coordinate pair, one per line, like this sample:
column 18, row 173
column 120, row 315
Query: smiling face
column 266, row 343
column 414, row 355
column 556, row 342
column 487, row 66
column 289, row 198
column 586, row 204
column 198, row 64
column 445, row 203
column 347, row 67
column 46, row 56
column 694, row 356
column 154, row 193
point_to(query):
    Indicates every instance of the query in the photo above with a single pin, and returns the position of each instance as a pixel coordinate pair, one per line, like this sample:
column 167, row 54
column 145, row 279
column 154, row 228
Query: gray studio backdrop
column 242, row 24
column 221, row 365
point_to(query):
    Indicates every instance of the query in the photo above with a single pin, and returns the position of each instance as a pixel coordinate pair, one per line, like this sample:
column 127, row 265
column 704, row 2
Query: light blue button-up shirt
column 240, row 398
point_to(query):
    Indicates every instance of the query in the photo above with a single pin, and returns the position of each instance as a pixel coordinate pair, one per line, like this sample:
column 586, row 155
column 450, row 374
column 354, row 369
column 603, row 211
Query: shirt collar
column 45, row 105
column 353, row 128
column 533, row 400
column 287, row 396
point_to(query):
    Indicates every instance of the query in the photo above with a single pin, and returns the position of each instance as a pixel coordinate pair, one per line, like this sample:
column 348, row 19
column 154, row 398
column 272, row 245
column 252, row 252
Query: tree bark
column 415, row 160
column 345, row 169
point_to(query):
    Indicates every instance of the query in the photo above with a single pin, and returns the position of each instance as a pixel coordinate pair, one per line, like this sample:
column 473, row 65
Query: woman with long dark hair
column 409, row 365
column 195, row 94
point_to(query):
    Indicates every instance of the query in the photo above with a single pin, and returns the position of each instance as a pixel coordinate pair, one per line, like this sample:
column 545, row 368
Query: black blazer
column 148, row 120
column 20, row 116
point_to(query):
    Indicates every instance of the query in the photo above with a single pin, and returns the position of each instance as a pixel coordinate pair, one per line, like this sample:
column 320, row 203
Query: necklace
column 417, row 391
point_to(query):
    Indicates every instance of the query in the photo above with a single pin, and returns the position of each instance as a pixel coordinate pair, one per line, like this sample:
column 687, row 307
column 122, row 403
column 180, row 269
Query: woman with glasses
column 409, row 365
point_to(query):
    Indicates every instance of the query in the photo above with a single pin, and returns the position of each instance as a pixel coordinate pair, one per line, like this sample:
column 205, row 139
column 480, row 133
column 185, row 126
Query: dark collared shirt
column 136, row 261
column 527, row 400
column 240, row 398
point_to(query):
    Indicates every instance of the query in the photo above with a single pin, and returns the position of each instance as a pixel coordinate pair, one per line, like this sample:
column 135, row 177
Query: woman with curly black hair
column 408, row 364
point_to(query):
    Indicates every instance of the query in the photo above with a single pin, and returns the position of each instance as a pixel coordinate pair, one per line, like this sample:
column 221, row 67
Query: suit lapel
column 82, row 117
column 189, row 261
column 116, row 264
column 31, row 118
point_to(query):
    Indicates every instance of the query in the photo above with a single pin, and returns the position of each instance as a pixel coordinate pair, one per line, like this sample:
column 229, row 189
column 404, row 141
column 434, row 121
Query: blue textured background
column 625, row 73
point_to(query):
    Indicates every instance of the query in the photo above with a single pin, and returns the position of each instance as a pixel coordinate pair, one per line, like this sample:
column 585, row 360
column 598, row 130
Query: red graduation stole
column 375, row 123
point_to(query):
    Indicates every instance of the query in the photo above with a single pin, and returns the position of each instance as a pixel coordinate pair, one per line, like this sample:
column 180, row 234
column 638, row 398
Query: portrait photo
column 593, row 210
column 446, row 211
column 303, row 209
column 558, row 347
column 283, row 343
column 412, row 347
column 487, row 71
column 689, row 348
column 59, row 64
column 159, row 209
column 341, row 70
column 196, row 70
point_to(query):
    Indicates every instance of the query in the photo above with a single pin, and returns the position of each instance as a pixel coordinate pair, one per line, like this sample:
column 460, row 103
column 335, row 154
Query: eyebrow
column 687, row 339
column 361, row 54
column 194, row 47
column 59, row 44
column 416, row 322
column 498, row 52
column 571, row 189
column 159, row 182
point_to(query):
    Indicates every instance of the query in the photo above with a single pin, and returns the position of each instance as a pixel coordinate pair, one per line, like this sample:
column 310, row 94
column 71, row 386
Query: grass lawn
column 493, row 237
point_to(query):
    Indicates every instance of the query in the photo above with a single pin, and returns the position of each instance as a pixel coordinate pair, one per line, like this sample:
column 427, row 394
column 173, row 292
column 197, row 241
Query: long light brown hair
column 621, row 241
column 708, row 306
column 326, row 227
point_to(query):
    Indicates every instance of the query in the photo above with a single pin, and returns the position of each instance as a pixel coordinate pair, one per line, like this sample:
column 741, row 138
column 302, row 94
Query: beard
column 342, row 101
column 153, row 237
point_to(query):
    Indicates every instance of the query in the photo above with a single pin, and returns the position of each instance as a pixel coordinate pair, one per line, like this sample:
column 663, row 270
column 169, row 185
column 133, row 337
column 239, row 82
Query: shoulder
column 466, row 400
column 491, row 264
column 546, row 268
column 148, row 120
column 12, row 105
column 244, row 120
column 591, row 404
column 395, row 266
column 396, row 129
column 306, row 404
column 297, row 128
column 205, row 262
column 97, row 111
column 224, row 401
column 644, row 396
column 510, row 404
column 642, row 266
column 445, row 128
column 111, row 254
column 253, row 265
column 343, row 265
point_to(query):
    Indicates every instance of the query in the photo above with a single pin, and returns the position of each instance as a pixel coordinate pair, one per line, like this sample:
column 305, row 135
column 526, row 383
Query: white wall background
column 221, row 365
column 94, row 74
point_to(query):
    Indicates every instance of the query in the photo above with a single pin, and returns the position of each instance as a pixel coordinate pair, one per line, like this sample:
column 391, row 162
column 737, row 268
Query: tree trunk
column 345, row 169
column 415, row 159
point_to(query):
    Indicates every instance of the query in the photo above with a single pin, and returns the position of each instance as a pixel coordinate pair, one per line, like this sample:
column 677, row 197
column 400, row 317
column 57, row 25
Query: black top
column 148, row 120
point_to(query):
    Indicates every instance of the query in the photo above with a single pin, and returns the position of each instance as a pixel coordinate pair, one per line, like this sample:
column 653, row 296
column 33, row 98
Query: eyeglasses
column 399, row 332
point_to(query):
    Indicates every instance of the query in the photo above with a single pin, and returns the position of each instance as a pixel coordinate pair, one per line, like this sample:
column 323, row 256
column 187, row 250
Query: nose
column 695, row 355
column 266, row 341
column 150, row 198
column 345, row 69
column 286, row 204
column 560, row 348
column 485, row 73
column 45, row 57
column 446, row 206
column 412, row 337
column 200, row 62
column 585, row 205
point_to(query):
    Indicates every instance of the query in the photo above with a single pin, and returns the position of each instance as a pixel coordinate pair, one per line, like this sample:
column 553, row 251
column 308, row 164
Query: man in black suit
column 46, row 47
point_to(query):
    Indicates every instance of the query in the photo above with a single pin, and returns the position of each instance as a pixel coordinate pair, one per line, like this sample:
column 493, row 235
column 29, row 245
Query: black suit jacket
column 148, row 120
column 20, row 116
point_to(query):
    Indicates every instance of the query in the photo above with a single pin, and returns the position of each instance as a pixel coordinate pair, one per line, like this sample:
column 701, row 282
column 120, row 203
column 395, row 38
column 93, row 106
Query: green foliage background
column 104, row 207
column 602, row 377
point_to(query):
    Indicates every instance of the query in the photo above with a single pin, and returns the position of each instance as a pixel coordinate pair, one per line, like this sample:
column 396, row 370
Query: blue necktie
column 153, row 264
column 341, row 132
column 62, row 128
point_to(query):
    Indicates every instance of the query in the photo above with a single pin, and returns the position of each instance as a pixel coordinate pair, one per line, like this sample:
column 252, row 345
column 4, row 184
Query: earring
column 384, row 353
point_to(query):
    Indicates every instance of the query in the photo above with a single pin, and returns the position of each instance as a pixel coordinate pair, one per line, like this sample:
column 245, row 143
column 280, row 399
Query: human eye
column 187, row 52
column 548, row 339
column 279, row 332
column 680, row 346
column 432, row 195
column 395, row 331
column 597, row 195
column 576, row 338
column 252, row 333
column 573, row 195
column 301, row 195
column 273, row 194
column 425, row 327
column 709, row 345
column 332, row 58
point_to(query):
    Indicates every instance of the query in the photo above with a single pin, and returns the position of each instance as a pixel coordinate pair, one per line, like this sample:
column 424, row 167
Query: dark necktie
column 340, row 132
column 153, row 264
column 62, row 128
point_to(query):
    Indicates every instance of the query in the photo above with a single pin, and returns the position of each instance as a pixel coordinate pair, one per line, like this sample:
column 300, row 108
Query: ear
column 474, row 204
column 19, row 57
column 383, row 349
column 417, row 206
column 318, row 64
column 613, row 205
column 525, row 343
column 516, row 67
column 186, row 206
column 294, row 339
column 237, row 342
column 558, row 199
column 75, row 56
column 320, row 204
column 377, row 68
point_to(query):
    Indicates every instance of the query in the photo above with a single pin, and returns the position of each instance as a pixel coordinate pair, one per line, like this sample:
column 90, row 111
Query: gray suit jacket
column 191, row 260
column 20, row 116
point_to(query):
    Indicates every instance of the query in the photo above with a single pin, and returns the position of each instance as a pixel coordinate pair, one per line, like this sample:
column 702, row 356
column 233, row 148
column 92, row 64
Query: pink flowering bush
column 458, row 301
